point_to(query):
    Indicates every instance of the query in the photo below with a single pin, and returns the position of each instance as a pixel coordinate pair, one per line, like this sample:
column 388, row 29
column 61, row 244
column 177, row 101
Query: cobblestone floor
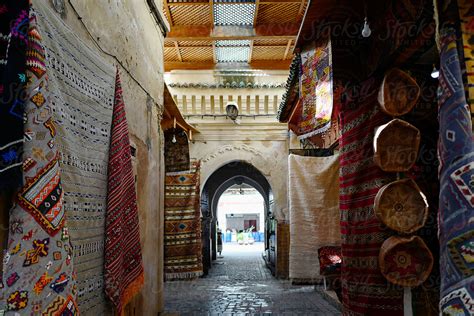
column 240, row 284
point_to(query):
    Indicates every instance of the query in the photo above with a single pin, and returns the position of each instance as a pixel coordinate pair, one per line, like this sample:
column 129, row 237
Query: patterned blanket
column 456, row 205
column 82, row 90
column 38, row 275
column 466, row 15
column 183, row 249
column 13, row 41
column 123, row 258
column 316, row 90
column 314, row 212
column 364, row 289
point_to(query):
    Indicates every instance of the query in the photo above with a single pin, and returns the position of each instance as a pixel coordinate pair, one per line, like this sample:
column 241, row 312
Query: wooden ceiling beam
column 285, row 31
column 251, row 51
column 287, row 50
column 255, row 64
column 211, row 10
column 255, row 17
column 176, row 46
column 168, row 13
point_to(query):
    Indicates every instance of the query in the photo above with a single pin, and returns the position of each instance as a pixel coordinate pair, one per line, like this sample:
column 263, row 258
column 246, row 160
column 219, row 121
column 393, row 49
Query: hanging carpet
column 123, row 258
column 456, row 173
column 82, row 91
column 466, row 17
column 183, row 249
column 365, row 291
column 13, row 41
column 38, row 276
column 315, row 90
column 314, row 212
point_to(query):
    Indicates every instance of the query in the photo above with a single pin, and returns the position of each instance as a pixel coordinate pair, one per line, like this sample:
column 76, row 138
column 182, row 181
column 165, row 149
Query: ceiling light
column 434, row 73
column 366, row 31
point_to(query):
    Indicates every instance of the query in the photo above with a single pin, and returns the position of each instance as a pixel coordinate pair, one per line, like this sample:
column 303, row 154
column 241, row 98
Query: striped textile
column 183, row 250
column 123, row 258
column 365, row 291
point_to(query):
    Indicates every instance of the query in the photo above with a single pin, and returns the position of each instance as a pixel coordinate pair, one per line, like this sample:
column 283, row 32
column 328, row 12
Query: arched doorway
column 231, row 174
column 241, row 220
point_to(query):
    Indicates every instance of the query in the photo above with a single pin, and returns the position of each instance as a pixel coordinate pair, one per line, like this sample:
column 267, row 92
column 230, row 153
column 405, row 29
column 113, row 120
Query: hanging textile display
column 313, row 211
column 456, row 205
column 176, row 150
column 82, row 87
column 466, row 17
column 123, row 258
column 316, row 90
column 13, row 42
column 365, row 290
column 183, row 254
column 38, row 274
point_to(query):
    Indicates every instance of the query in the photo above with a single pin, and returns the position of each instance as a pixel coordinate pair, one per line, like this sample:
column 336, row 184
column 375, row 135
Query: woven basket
column 405, row 261
column 402, row 206
column 398, row 93
column 396, row 146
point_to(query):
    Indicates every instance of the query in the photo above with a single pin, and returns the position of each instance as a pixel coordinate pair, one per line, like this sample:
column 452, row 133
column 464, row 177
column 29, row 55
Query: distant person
column 219, row 242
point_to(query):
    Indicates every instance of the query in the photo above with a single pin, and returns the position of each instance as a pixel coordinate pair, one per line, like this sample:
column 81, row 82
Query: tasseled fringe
column 320, row 130
column 131, row 290
column 182, row 275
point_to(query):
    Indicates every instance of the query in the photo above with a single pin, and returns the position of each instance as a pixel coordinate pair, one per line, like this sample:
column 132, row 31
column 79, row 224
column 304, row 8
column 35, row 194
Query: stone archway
column 218, row 182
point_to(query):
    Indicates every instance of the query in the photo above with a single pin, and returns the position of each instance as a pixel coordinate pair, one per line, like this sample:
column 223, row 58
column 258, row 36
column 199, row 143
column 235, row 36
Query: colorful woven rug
column 13, row 41
column 38, row 276
column 365, row 291
column 456, row 205
column 176, row 151
column 82, row 87
column 313, row 211
column 316, row 90
column 123, row 258
column 466, row 15
column 183, row 253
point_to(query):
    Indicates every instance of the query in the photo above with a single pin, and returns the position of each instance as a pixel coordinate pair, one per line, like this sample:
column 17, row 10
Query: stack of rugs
column 183, row 248
column 70, row 240
column 314, row 213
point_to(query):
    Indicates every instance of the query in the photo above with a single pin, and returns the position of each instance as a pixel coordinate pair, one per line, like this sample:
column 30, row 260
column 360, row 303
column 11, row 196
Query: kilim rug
column 82, row 87
column 466, row 16
column 177, row 151
column 183, row 254
column 314, row 212
column 316, row 90
column 365, row 291
column 123, row 258
column 13, row 41
column 456, row 205
column 38, row 276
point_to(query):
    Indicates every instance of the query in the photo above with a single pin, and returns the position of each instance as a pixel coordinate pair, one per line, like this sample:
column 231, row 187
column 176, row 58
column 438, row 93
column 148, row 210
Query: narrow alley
column 241, row 284
column 236, row 157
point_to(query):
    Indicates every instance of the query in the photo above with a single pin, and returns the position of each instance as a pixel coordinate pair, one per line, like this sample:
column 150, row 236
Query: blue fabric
column 456, row 205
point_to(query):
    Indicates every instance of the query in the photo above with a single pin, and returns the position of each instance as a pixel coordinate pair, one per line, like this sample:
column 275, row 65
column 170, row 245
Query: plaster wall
column 127, row 30
column 261, row 144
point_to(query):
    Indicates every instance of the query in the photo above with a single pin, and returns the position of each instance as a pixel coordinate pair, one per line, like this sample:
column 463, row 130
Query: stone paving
column 240, row 284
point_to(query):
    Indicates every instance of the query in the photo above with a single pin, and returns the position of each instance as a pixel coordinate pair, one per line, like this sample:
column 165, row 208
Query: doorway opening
column 240, row 221
column 236, row 175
